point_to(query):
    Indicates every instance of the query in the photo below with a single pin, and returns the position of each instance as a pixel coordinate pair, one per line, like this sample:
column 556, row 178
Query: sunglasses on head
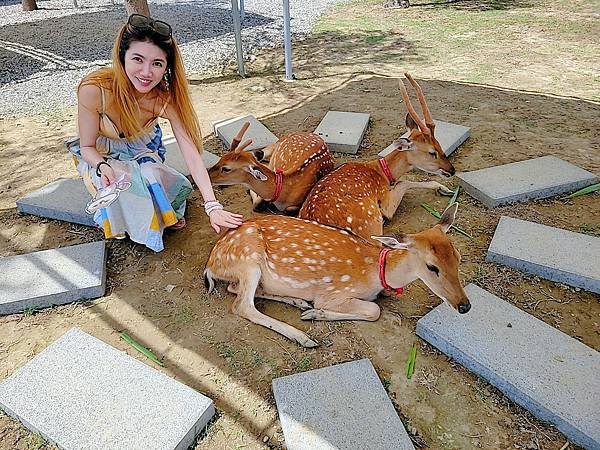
column 144, row 23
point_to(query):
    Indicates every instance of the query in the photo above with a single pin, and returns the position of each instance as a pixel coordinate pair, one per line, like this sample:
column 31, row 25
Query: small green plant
column 437, row 215
column 304, row 364
column 387, row 382
column 586, row 190
column 28, row 312
column 410, row 362
column 140, row 348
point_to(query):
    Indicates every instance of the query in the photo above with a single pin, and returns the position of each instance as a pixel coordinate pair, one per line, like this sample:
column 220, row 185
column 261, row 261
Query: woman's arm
column 193, row 160
column 88, row 121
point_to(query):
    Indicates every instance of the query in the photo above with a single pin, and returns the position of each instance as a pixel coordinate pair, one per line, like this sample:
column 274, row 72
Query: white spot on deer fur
column 250, row 230
column 285, row 260
column 349, row 219
column 349, row 261
column 297, row 269
column 333, row 259
column 369, row 260
column 344, row 278
column 312, row 268
column 326, row 279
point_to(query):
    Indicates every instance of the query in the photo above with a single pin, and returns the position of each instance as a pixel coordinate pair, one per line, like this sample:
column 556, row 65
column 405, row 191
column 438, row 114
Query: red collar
column 278, row 184
column 386, row 170
column 382, row 255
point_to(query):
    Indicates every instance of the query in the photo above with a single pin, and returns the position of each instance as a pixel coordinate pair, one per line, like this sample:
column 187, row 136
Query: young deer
column 329, row 272
column 358, row 196
column 297, row 161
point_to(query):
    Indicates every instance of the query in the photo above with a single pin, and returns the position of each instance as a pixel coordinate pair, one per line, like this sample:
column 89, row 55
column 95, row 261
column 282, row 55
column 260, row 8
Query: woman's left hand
column 221, row 218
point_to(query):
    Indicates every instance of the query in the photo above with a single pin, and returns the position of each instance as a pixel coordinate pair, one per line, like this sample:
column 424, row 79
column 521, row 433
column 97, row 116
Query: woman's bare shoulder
column 90, row 96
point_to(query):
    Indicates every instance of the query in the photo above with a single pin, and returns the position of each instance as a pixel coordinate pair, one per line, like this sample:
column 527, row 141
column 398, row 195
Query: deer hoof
column 308, row 343
column 443, row 190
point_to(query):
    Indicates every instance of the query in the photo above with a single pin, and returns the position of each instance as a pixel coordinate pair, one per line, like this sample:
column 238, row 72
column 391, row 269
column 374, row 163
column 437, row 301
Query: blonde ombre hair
column 174, row 89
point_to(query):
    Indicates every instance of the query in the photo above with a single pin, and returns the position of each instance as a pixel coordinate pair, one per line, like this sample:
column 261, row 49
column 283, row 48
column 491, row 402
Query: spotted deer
column 358, row 196
column 330, row 273
column 296, row 162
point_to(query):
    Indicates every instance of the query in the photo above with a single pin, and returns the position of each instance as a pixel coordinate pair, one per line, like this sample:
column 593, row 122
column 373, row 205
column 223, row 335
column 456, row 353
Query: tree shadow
column 78, row 40
column 476, row 5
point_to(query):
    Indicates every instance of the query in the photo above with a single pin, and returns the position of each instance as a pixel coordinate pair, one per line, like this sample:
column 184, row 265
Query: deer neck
column 392, row 166
column 398, row 269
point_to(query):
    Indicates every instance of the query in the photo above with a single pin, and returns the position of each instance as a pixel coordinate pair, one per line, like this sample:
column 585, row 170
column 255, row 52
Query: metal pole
column 287, row 41
column 237, row 31
column 242, row 11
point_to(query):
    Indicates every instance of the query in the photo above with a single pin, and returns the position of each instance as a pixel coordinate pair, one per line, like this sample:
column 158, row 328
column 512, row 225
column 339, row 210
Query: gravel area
column 45, row 53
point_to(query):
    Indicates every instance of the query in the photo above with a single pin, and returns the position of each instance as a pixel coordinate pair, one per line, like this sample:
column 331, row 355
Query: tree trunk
column 135, row 7
column 29, row 5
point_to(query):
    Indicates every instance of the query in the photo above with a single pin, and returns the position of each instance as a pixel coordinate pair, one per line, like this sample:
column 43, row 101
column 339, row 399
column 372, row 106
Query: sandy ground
column 232, row 360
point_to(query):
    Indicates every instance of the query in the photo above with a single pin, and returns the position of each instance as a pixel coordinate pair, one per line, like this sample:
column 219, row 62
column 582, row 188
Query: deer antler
column 238, row 138
column 428, row 119
column 411, row 110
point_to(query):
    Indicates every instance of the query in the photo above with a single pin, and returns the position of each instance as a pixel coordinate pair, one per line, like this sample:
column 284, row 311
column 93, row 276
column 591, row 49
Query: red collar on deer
column 278, row 184
column 382, row 255
column 386, row 170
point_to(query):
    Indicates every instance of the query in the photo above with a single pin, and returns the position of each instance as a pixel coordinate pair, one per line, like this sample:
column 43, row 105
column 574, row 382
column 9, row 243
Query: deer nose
column 462, row 309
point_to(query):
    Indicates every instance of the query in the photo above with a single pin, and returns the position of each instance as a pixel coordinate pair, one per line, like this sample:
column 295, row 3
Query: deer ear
column 258, row 154
column 391, row 242
column 403, row 145
column 256, row 173
column 410, row 123
column 448, row 217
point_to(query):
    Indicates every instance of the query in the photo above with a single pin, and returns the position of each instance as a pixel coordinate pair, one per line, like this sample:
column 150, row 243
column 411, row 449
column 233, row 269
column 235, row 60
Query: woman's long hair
column 174, row 89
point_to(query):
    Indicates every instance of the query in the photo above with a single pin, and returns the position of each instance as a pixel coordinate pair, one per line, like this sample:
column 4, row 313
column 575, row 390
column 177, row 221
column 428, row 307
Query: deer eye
column 434, row 154
column 434, row 269
column 225, row 169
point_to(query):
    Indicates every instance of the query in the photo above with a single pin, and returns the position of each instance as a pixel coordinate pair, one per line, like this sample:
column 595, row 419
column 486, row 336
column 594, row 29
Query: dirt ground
column 233, row 361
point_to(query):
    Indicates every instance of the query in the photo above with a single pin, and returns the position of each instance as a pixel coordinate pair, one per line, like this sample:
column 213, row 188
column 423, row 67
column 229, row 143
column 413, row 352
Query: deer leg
column 244, row 307
column 260, row 293
column 349, row 308
column 395, row 195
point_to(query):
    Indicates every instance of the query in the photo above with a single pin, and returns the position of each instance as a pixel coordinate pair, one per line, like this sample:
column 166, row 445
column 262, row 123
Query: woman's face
column 145, row 65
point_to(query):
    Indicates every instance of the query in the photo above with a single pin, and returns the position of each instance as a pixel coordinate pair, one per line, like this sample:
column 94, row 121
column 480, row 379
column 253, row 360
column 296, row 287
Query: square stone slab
column 260, row 135
column 449, row 135
column 52, row 277
column 64, row 199
column 80, row 393
column 525, row 180
column 551, row 253
column 338, row 407
column 174, row 158
column 537, row 366
column 343, row 131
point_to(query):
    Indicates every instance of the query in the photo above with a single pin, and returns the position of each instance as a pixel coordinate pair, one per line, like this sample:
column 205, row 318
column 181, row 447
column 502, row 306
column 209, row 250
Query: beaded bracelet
column 211, row 206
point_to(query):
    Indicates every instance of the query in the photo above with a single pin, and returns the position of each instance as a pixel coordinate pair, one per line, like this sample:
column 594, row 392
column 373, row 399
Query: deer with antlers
column 296, row 162
column 328, row 272
column 358, row 196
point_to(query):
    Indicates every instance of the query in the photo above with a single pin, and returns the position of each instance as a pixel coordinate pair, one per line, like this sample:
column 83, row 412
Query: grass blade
column 586, row 190
column 140, row 348
column 410, row 363
column 437, row 215
column 452, row 200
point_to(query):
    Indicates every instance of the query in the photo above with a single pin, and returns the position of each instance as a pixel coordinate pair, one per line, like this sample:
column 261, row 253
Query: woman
column 119, row 137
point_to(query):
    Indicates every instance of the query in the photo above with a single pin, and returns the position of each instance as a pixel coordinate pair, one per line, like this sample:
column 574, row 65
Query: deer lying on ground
column 328, row 272
column 358, row 196
column 296, row 162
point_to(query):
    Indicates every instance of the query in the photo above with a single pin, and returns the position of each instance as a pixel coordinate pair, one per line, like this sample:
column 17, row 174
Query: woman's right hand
column 107, row 175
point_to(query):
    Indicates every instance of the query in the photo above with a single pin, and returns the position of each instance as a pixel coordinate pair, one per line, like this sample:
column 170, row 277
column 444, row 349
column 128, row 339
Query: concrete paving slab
column 525, row 180
column 174, row 158
column 343, row 131
column 80, row 393
column 339, row 407
column 64, row 199
column 537, row 366
column 52, row 277
column 449, row 135
column 551, row 253
column 260, row 135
